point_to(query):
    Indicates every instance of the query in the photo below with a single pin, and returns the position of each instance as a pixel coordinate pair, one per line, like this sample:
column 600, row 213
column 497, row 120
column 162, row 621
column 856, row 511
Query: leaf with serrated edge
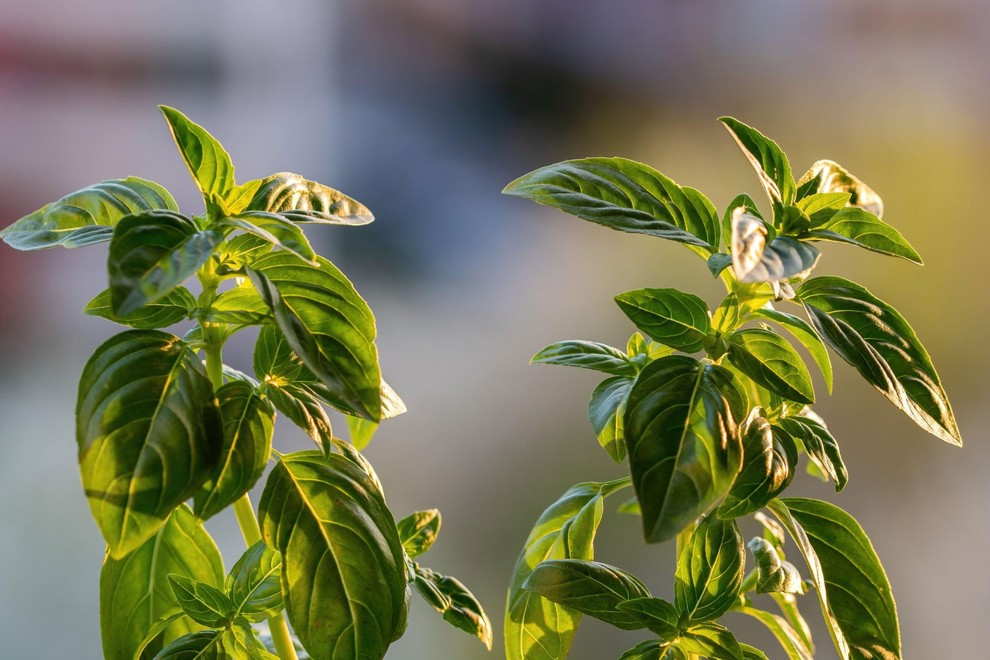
column 771, row 361
column 586, row 355
column 148, row 432
column 863, row 229
column 709, row 571
column 805, row 334
column 174, row 306
column 535, row 628
column 606, row 411
column 769, row 458
column 786, row 636
column 820, row 446
column 418, row 531
column 874, row 338
column 669, row 316
column 299, row 200
column 134, row 592
column 206, row 159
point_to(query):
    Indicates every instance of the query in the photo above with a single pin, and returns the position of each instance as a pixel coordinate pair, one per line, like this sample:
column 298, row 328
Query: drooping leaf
column 771, row 361
column 656, row 614
column 769, row 457
column 151, row 254
column 623, row 195
column 857, row 227
column 684, row 446
column 711, row 640
column 299, row 200
column 241, row 643
column 241, row 305
column 248, row 423
column 343, row 571
column 874, row 338
column 275, row 229
column 148, row 432
column 134, row 590
column 709, row 571
column 536, row 628
column 677, row 319
column 203, row 603
column 305, row 411
column 606, row 411
column 206, row 159
column 826, row 176
column 458, row 606
column 587, row 355
column 852, row 586
column 774, row 575
column 201, row 645
column 86, row 216
column 418, row 531
column 786, row 636
column 327, row 324
column 588, row 587
column 805, row 334
column 820, row 446
column 254, row 584
column 173, row 307
column 756, row 259
column 767, row 159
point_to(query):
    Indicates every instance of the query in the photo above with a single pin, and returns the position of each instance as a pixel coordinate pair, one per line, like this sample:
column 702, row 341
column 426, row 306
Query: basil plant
column 712, row 410
column 169, row 435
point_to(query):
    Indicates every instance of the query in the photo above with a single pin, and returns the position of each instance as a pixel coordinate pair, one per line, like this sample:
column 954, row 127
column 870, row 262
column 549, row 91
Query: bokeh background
column 423, row 110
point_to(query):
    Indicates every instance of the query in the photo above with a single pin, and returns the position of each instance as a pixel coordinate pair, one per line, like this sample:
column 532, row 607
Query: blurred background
column 424, row 110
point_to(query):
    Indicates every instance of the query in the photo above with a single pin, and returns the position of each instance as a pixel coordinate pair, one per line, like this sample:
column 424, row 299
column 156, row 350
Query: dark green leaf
column 623, row 195
column 589, row 587
column 201, row 602
column 821, row 447
column 148, row 432
column 175, row 306
column 752, row 653
column 87, row 216
column 151, row 254
column 134, row 591
column 248, row 422
column 740, row 204
column 873, row 337
column 304, row 409
column 154, row 639
column 677, row 319
column 786, row 636
column 659, row 616
column 254, row 583
column 755, row 259
column 202, row 645
column 684, row 446
column 774, row 575
column 788, row 606
column 293, row 197
column 587, row 355
column 769, row 457
column 805, row 334
column 343, row 572
column 727, row 315
column 606, row 411
column 718, row 262
column 709, row 571
column 241, row 305
column 327, row 324
column 861, row 228
column 766, row 157
column 771, row 361
column 827, row 176
column 206, row 159
column 711, row 640
column 241, row 643
column 418, row 531
column 458, row 605
column 852, row 586
column 275, row 229
column 535, row 628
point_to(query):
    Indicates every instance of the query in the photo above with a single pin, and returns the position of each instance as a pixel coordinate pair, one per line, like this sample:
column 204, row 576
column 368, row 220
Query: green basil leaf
column 418, row 531
column 241, row 643
column 327, row 324
column 659, row 616
column 755, row 259
column 201, row 602
column 202, row 645
column 718, row 262
column 652, row 649
column 275, row 229
column 727, row 315
column 711, row 640
column 299, row 200
column 151, row 254
column 771, row 361
column 861, row 228
column 154, row 639
column 254, row 584
column 588, row 587
column 241, row 305
column 752, row 653
column 248, row 423
column 240, row 251
column 623, row 195
column 535, row 628
column 827, row 176
column 677, row 319
column 852, row 586
column 134, row 592
column 362, row 430
column 769, row 457
column 606, row 411
column 774, row 575
column 206, row 159
column 805, row 334
column 820, row 207
column 709, row 571
column 148, row 432
column 786, row 636
column 86, row 216
column 305, row 411
column 174, row 306
column 684, row 446
column 767, row 159
column 452, row 599
column 587, row 355
column 874, row 338
column 745, row 205
column 820, row 446
column 343, row 573
column 788, row 606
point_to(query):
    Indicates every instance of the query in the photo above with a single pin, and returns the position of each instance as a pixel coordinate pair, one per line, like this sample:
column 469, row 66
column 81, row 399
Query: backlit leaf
column 299, row 200
column 241, row 305
column 710, row 640
column 254, row 584
column 206, row 159
column 767, row 159
column 174, row 306
column 606, row 412
column 203, row 603
column 202, row 645
column 587, row 355
column 656, row 614
column 771, row 361
column 769, row 457
column 805, row 334
column 827, row 176
column 709, row 571
column 861, row 228
column 774, row 575
column 677, row 319
column 458, row 606
column 820, row 446
column 278, row 231
column 418, row 531
column 757, row 259
column 786, row 636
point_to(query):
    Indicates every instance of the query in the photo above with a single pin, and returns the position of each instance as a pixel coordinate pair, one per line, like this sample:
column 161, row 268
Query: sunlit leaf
column 656, row 614
column 458, row 606
column 241, row 305
column 673, row 318
column 774, row 575
column 820, row 446
column 203, row 603
column 767, row 159
column 202, row 645
column 826, row 176
column 254, row 584
column 769, row 457
column 710, row 640
column 174, row 306
column 805, row 334
column 418, row 531
column 606, row 412
column 771, row 361
column 757, row 259
column 861, row 228
column 206, row 159
column 786, row 636
column 709, row 571
column 278, row 231
column 587, row 355
column 299, row 200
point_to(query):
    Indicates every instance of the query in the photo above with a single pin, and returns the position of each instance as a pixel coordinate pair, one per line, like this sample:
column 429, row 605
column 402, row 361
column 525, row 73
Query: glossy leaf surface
column 458, row 606
column 587, row 355
column 148, row 433
column 254, row 584
column 275, row 229
column 758, row 258
column 767, row 159
column 805, row 334
column 418, row 531
column 656, row 614
column 206, row 159
column 673, row 318
column 241, row 305
column 827, row 176
column 771, row 361
column 606, row 412
column 774, row 575
column 709, row 571
column 820, row 446
column 174, row 306
column 861, row 228
column 202, row 645
column 710, row 640
column 299, row 200
column 788, row 639
column 769, row 457
column 203, row 603
column 684, row 446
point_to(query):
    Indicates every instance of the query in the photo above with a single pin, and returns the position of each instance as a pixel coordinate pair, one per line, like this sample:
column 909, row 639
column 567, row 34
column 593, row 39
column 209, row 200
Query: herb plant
column 158, row 426
column 712, row 410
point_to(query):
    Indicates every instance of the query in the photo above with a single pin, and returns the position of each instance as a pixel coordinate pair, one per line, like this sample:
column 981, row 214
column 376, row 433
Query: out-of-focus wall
column 424, row 110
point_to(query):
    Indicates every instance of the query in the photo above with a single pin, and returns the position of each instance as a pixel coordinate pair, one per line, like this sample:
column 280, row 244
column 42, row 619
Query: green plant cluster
column 159, row 426
column 711, row 407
